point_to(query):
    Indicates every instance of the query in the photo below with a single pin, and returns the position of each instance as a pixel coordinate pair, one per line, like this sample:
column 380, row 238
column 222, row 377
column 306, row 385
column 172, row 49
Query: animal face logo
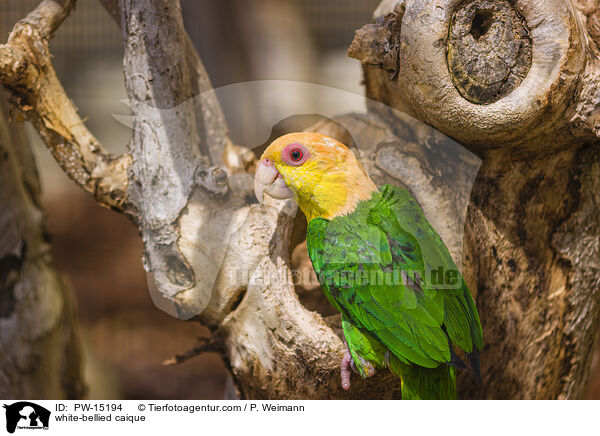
column 26, row 415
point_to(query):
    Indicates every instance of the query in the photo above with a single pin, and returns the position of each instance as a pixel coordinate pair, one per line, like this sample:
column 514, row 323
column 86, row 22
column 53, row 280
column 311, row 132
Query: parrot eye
column 295, row 154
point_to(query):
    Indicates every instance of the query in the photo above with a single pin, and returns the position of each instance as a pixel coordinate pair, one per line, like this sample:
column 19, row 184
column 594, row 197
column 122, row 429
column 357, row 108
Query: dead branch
column 204, row 345
column 184, row 183
column 39, row 338
column 26, row 71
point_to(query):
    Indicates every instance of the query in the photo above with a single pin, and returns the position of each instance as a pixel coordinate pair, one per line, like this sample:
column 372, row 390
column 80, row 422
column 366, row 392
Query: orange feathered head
column 320, row 172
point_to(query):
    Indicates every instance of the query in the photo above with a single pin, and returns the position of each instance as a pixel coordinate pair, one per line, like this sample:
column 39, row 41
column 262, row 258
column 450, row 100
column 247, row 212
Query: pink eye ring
column 295, row 154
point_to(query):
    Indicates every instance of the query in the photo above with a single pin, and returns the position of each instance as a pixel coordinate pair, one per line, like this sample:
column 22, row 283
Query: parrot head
column 322, row 174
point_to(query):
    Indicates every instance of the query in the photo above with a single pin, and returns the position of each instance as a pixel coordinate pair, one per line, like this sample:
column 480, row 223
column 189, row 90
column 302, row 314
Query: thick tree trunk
column 532, row 240
column 515, row 82
column 40, row 354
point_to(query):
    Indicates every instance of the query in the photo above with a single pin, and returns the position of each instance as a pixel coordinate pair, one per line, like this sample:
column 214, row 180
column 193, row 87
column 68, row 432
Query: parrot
column 404, row 305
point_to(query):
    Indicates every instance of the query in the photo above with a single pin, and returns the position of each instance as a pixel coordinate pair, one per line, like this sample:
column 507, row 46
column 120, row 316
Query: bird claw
column 345, row 367
column 348, row 364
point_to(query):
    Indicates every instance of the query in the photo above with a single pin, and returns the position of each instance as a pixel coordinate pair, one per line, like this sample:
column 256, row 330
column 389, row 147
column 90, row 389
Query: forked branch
column 26, row 71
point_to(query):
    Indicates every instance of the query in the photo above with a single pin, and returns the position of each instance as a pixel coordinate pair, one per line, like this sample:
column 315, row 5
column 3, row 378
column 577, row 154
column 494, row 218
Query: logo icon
column 26, row 415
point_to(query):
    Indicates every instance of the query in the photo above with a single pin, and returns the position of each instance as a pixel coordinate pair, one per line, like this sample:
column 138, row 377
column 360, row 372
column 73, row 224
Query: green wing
column 396, row 211
column 370, row 267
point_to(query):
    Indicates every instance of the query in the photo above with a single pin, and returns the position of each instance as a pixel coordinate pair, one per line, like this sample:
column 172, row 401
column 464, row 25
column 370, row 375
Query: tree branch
column 48, row 16
column 205, row 345
column 39, row 338
column 26, row 71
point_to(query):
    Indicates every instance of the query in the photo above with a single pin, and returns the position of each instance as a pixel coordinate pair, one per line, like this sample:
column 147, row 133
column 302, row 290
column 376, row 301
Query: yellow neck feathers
column 329, row 187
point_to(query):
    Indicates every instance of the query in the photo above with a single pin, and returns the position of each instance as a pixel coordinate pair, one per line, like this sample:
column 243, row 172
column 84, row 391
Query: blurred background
column 125, row 336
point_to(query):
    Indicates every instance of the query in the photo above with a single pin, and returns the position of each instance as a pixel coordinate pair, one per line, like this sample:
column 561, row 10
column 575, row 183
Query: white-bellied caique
column 377, row 257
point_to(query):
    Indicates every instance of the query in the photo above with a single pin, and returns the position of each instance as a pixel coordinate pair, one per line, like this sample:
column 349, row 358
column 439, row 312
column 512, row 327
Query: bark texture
column 26, row 70
column 514, row 81
column 40, row 354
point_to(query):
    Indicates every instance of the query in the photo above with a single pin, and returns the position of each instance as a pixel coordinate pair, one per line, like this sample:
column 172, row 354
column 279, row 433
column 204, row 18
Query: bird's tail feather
column 419, row 383
column 474, row 360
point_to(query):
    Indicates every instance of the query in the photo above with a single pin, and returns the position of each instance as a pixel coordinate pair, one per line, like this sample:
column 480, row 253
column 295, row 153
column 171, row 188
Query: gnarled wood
column 532, row 236
column 532, row 239
column 26, row 71
column 40, row 355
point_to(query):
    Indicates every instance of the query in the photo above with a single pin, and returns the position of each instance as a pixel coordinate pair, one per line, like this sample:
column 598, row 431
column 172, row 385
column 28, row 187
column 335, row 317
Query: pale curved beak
column 267, row 180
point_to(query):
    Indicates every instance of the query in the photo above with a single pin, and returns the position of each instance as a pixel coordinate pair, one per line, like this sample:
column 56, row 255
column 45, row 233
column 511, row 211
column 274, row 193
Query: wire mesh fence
column 333, row 22
column 91, row 34
column 88, row 35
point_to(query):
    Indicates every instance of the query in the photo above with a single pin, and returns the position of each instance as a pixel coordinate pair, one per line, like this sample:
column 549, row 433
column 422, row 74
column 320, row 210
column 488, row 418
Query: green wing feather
column 375, row 266
column 397, row 210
